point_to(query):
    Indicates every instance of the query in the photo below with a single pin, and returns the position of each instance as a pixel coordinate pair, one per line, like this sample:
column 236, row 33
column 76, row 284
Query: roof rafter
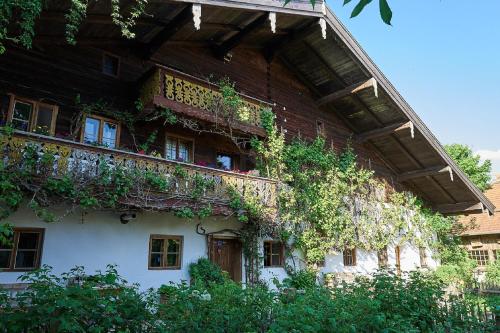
column 384, row 131
column 460, row 208
column 352, row 89
column 436, row 170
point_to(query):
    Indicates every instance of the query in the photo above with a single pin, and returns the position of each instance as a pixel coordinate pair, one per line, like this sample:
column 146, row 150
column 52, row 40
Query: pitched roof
column 484, row 224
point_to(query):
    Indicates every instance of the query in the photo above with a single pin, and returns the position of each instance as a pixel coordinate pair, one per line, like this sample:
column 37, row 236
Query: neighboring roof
column 336, row 70
column 484, row 224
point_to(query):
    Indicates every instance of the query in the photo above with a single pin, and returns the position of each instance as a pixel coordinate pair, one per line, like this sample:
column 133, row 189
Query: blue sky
column 444, row 58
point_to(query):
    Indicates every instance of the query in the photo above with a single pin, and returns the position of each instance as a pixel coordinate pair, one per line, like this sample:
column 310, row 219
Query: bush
column 105, row 303
column 71, row 303
column 493, row 273
column 206, row 273
column 301, row 279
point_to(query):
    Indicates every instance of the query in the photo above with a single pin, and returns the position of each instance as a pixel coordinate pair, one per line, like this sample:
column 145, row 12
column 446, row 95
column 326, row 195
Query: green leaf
column 385, row 11
column 346, row 2
column 359, row 7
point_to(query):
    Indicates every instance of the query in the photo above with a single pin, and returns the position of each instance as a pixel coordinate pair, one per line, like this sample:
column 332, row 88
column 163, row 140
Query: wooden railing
column 167, row 87
column 74, row 157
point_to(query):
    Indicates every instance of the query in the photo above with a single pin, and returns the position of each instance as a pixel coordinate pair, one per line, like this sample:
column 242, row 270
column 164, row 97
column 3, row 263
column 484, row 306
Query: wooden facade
column 314, row 85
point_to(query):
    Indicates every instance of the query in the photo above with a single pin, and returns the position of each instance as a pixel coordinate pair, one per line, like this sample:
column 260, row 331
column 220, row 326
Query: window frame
column 108, row 54
column 281, row 253
column 13, row 98
column 177, row 138
column 15, row 244
column 476, row 256
column 178, row 238
column 102, row 120
column 349, row 257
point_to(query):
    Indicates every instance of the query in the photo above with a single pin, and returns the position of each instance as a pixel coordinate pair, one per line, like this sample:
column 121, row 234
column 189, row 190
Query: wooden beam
column 352, row 89
column 384, row 131
column 226, row 46
column 460, row 208
column 424, row 173
column 168, row 31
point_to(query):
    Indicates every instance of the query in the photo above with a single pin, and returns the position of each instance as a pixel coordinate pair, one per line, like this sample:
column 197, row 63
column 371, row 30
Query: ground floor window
column 349, row 257
column 165, row 252
column 480, row 256
column 382, row 255
column 23, row 252
column 273, row 254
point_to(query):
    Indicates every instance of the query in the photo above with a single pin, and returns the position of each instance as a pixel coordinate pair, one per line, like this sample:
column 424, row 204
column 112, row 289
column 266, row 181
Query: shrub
column 106, row 303
column 493, row 273
column 301, row 279
column 206, row 273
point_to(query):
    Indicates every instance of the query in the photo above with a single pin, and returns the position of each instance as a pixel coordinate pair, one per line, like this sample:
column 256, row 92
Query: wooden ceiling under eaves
column 326, row 66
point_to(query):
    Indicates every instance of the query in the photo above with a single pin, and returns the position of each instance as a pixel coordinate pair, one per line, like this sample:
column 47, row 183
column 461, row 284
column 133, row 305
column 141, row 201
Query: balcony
column 193, row 97
column 78, row 158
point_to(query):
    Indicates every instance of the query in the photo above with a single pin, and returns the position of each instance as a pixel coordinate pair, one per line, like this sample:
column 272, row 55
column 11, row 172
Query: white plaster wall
column 100, row 239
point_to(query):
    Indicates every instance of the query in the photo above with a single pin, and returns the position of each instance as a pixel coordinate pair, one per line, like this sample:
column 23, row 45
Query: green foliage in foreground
column 105, row 302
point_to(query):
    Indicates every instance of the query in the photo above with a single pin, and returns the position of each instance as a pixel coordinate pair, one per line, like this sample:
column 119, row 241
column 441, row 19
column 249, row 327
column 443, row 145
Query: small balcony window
column 32, row 116
column 225, row 161
column 179, row 148
column 101, row 131
column 110, row 65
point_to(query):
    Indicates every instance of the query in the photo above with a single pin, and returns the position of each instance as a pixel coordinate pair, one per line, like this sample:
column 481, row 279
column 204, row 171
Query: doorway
column 226, row 253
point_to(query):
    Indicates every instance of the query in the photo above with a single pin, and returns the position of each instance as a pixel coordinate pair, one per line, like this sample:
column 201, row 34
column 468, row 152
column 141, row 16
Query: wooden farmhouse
column 297, row 60
column 481, row 235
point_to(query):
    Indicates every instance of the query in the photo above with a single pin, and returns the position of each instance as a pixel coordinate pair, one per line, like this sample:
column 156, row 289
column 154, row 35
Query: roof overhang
column 336, row 70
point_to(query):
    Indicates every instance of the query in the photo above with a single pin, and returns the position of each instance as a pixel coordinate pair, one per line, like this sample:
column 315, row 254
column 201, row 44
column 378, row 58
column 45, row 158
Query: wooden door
column 226, row 252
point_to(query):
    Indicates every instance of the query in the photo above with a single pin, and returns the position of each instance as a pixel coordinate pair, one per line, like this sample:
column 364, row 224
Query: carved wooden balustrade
column 194, row 97
column 83, row 159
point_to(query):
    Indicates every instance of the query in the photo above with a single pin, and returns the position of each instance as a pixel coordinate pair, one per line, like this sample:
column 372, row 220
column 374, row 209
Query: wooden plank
column 169, row 30
column 423, row 173
column 460, row 208
column 384, row 131
column 352, row 89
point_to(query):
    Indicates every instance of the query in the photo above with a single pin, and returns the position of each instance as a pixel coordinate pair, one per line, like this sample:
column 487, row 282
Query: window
column 225, row 161
column 273, row 254
column 179, row 149
column 110, row 64
column 24, row 251
column 480, row 256
column 165, row 252
column 423, row 257
column 349, row 257
column 382, row 255
column 32, row 116
column 102, row 131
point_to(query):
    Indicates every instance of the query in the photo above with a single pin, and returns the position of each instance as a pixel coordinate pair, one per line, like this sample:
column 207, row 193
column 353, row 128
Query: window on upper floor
column 101, row 131
column 273, row 254
column 110, row 64
column 32, row 116
column 179, row 148
column 165, row 252
column 23, row 252
column 349, row 257
column 480, row 256
column 225, row 161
